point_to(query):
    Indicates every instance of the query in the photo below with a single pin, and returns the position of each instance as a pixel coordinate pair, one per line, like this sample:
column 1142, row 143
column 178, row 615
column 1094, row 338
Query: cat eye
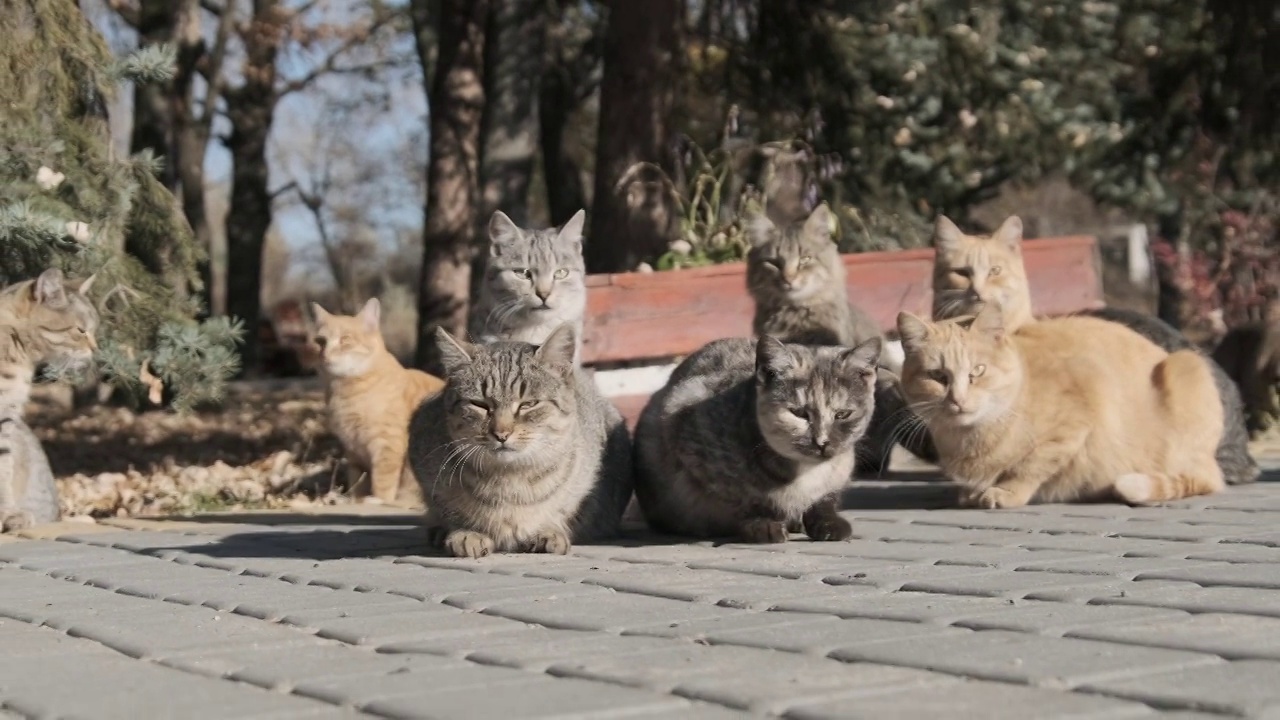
column 528, row 405
column 843, row 414
column 482, row 407
column 939, row 376
column 562, row 273
column 995, row 270
column 802, row 413
column 978, row 371
column 963, row 272
column 806, row 259
column 523, row 273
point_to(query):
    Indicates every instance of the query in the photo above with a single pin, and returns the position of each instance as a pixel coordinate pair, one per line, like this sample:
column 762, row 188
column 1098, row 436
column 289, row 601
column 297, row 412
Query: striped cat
column 40, row 321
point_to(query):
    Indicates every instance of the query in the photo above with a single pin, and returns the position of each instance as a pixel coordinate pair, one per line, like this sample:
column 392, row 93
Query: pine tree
column 67, row 201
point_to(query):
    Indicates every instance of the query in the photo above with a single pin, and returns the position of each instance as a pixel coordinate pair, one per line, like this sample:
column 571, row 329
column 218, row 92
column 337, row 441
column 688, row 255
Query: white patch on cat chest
column 812, row 484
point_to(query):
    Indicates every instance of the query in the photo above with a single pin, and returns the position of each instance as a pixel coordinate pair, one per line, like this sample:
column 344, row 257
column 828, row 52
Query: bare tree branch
column 214, row 79
column 127, row 10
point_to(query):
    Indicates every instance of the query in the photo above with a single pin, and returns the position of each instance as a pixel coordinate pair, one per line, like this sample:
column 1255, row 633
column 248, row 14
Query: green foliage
column 66, row 201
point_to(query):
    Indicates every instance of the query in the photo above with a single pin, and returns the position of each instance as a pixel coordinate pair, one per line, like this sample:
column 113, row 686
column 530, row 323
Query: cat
column 40, row 321
column 370, row 397
column 796, row 277
column 972, row 269
column 752, row 438
column 1069, row 409
column 1250, row 354
column 520, row 452
column 533, row 282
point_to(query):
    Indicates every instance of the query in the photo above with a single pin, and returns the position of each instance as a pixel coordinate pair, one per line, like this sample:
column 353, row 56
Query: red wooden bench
column 651, row 316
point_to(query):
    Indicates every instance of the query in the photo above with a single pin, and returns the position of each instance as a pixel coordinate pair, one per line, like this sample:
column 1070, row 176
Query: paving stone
column 1237, row 553
column 700, row 630
column 540, row 590
column 1113, row 546
column 1102, row 590
column 116, row 687
column 970, row 700
column 791, row 565
column 1024, row 658
column 425, row 622
column 1246, row 687
column 829, row 634
column 1251, row 575
column 758, row 680
column 607, row 613
column 1051, row 618
column 909, row 606
column 1124, row 567
column 1005, row 584
column 534, row 697
column 361, row 689
column 1234, row 637
column 539, row 648
column 1193, row 598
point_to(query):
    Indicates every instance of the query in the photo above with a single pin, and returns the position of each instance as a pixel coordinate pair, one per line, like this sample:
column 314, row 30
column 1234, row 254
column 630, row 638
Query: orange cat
column 1068, row 409
column 370, row 397
column 969, row 269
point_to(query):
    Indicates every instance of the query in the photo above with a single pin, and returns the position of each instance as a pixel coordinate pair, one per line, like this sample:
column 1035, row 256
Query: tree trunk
column 191, row 139
column 251, row 108
column 637, row 96
column 456, row 104
column 565, row 193
column 513, row 62
column 152, row 114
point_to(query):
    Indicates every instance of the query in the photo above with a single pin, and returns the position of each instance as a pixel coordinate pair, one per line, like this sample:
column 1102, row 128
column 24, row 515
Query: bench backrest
column 637, row 316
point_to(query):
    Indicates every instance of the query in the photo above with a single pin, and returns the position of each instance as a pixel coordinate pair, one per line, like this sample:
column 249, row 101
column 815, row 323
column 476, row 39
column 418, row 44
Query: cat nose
column 500, row 433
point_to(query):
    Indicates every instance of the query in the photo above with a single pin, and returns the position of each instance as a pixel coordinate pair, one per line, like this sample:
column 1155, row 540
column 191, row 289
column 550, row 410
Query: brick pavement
column 1049, row 612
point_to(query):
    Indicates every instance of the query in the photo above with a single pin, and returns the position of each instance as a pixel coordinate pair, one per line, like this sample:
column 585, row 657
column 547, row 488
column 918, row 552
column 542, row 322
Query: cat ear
column 501, row 232
column 865, row 355
column 49, row 289
column 86, row 284
column 370, row 314
column 454, row 353
column 572, row 230
column 320, row 313
column 912, row 330
column 772, row 358
column 820, row 224
column 559, row 348
column 1010, row 233
column 945, row 233
column 989, row 321
column 759, row 229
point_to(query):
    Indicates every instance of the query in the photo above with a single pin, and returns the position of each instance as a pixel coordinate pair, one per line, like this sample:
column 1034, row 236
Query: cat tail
column 1144, row 489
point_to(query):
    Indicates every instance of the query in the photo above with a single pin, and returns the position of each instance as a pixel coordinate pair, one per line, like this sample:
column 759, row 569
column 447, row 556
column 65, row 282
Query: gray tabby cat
column 40, row 321
column 519, row 452
column 797, row 279
column 534, row 282
column 751, row 438
column 796, row 276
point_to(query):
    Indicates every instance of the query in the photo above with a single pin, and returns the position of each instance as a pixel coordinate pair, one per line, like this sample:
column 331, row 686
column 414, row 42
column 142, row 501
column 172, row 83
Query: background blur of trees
column 304, row 138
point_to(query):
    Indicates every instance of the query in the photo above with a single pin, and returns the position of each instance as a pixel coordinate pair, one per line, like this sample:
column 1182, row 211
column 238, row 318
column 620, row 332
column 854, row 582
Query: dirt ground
column 266, row 447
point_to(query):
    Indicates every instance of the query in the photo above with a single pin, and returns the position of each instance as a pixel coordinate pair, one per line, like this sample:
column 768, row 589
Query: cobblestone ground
column 1050, row 612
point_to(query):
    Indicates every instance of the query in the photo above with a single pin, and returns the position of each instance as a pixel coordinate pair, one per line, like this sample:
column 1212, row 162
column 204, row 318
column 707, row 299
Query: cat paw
column 1135, row 488
column 552, row 542
column 996, row 498
column 15, row 520
column 436, row 535
column 968, row 497
column 469, row 544
column 761, row 530
column 830, row 528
